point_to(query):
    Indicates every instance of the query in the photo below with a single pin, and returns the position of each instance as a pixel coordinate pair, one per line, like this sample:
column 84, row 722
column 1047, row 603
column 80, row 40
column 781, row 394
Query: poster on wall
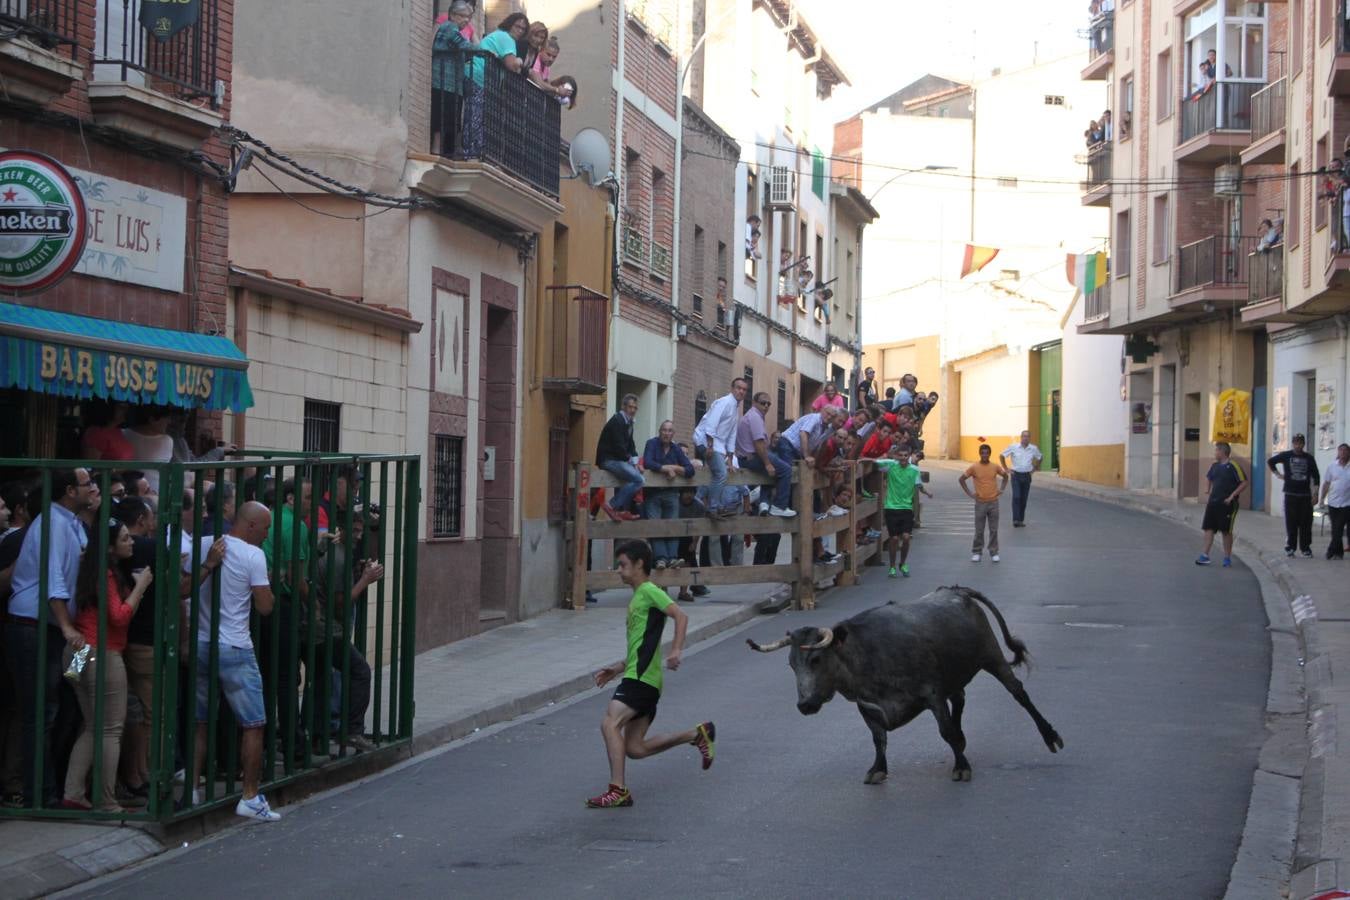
column 1279, row 420
column 1233, row 417
column 1140, row 412
column 1326, row 415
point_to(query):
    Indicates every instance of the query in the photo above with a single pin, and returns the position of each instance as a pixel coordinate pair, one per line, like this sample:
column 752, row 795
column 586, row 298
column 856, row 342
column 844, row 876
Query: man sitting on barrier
column 715, row 437
column 757, row 454
column 616, row 453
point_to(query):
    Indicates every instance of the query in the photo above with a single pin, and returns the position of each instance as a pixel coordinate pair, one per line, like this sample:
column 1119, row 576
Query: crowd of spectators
column 733, row 435
column 244, row 533
column 524, row 50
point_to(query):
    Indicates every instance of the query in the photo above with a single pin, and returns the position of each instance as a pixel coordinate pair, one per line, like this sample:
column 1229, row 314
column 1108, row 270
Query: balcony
column 164, row 87
column 496, row 141
column 634, row 247
column 1101, row 35
column 1265, row 290
column 1097, row 186
column 1212, row 273
column 660, row 261
column 1333, row 295
column 576, row 343
column 1096, row 310
column 1338, row 76
column 1267, row 141
column 1216, row 123
column 39, row 59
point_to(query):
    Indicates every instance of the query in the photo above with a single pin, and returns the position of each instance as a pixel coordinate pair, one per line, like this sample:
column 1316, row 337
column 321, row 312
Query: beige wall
column 919, row 356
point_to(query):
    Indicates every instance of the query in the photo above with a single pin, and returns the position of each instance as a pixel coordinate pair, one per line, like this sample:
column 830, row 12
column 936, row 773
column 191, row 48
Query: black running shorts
column 1219, row 517
column 900, row 521
column 639, row 697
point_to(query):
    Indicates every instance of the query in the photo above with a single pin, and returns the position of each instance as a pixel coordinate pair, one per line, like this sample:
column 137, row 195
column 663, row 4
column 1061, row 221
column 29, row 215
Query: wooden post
column 847, row 544
column 581, row 529
column 804, row 591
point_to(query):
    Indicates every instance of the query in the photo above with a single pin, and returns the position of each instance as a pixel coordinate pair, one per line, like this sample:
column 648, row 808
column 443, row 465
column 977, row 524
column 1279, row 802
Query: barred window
column 700, row 406
column 448, row 487
column 783, row 420
column 323, row 426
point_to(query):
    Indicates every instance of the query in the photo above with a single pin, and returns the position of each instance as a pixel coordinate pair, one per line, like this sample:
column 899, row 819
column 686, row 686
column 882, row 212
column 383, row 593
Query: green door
column 1048, row 403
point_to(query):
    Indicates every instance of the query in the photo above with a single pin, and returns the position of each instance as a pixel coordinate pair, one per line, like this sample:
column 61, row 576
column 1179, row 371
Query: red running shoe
column 615, row 797
column 705, row 742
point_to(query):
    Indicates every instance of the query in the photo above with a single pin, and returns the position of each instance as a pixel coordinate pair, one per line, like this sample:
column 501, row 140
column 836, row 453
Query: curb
column 1282, row 837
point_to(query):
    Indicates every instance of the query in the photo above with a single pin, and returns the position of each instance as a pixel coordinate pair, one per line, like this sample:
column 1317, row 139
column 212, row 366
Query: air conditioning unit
column 782, row 188
column 1227, row 180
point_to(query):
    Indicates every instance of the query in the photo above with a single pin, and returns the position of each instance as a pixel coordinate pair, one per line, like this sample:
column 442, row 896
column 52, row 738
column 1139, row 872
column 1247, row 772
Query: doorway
column 1139, row 449
column 498, row 562
column 1167, row 428
column 1190, row 447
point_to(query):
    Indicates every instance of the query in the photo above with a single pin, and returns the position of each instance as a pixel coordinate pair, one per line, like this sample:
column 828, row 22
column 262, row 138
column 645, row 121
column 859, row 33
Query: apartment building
column 1189, row 166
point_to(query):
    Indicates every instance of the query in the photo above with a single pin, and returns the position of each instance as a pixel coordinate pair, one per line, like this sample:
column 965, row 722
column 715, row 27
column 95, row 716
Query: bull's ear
column 840, row 633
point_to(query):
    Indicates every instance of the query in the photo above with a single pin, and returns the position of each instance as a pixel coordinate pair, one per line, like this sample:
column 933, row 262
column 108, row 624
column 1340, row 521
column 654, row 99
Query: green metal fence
column 325, row 621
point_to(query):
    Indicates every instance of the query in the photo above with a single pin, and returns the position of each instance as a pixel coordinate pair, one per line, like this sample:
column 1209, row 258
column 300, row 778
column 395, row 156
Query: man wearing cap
column 1301, row 480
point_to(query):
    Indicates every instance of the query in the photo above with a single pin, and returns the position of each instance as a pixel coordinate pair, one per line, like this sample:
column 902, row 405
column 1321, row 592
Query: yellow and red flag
column 977, row 258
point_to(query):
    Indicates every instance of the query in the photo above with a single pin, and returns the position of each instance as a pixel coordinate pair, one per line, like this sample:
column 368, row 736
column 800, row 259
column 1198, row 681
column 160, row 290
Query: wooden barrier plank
column 867, row 508
column 599, row 478
column 830, row 525
column 694, row 527
column 803, row 554
column 710, row 575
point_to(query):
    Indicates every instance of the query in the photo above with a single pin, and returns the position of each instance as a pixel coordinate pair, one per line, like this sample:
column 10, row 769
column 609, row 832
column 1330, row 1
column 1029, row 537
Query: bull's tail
column 1019, row 650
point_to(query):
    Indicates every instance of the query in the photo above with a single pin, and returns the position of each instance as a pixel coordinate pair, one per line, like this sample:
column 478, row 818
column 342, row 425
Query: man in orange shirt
column 991, row 480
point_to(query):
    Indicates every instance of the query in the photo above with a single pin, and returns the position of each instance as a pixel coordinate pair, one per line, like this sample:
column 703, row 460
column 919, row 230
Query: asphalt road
column 1153, row 670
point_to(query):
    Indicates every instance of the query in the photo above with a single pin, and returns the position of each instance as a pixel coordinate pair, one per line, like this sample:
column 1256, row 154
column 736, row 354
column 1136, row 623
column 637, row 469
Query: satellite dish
column 589, row 155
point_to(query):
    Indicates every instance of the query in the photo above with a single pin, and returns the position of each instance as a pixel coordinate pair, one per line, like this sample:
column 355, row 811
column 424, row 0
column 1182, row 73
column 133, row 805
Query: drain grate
column 622, row 845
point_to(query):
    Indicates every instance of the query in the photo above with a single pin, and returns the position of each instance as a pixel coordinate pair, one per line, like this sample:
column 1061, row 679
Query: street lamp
column 899, row 175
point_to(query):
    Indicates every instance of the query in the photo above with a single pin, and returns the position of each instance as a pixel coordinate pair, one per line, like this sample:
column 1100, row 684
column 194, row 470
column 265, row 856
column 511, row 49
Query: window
column 1007, row 181
column 1126, row 117
column 721, row 260
column 447, row 516
column 1296, row 15
column 1320, row 209
column 754, row 243
column 783, row 420
column 699, row 279
column 1164, row 82
column 1323, row 19
column 700, row 406
column 847, row 275
column 557, row 473
column 1120, row 244
column 1292, row 223
column 749, row 376
column 818, row 173
column 1161, row 246
column 323, row 426
column 1010, row 275
column 659, row 205
column 1054, row 99
column 632, row 186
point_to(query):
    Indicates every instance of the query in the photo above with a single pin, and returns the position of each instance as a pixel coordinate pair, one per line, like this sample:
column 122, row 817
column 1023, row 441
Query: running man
column 1227, row 481
column 902, row 480
column 633, row 708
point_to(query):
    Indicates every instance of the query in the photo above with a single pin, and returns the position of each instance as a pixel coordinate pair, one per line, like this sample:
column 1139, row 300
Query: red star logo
column 10, row 196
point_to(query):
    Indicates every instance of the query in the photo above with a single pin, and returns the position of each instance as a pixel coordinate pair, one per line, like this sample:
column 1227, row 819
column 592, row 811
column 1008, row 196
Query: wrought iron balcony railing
column 50, row 24
column 1217, row 259
column 1222, row 106
column 1266, row 274
column 180, row 63
column 1099, row 166
column 1097, row 305
column 1268, row 110
column 1101, row 35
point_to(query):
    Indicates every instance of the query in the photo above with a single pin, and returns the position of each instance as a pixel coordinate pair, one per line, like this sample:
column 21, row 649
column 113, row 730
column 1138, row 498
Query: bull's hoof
column 874, row 778
column 1054, row 742
column 960, row 774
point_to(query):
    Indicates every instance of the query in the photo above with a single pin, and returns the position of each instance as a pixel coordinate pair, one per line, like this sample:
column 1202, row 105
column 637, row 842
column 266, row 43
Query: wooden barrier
column 802, row 574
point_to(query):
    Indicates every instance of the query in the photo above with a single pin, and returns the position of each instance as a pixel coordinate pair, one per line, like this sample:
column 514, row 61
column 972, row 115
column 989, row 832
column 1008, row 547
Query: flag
column 1086, row 271
column 977, row 258
column 1233, row 416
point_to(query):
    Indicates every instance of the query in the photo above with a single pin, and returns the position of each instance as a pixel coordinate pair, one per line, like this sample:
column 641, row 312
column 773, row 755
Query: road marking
column 1093, row 625
column 621, row 845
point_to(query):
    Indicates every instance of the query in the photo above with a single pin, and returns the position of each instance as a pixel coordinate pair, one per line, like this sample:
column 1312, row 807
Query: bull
column 895, row 661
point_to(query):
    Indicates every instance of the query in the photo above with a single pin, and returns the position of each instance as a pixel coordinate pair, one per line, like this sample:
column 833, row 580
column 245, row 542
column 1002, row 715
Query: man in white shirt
column 243, row 584
column 715, row 438
column 1021, row 459
column 1336, row 496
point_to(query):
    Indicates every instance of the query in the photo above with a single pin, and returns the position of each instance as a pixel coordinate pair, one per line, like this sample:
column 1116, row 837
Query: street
column 1152, row 669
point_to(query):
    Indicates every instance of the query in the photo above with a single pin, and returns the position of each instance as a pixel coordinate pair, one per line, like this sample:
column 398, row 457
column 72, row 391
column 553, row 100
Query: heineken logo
column 43, row 222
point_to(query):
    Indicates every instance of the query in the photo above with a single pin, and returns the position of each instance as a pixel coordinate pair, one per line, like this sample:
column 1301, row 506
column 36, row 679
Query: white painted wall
column 1091, row 406
column 994, row 395
column 1320, row 353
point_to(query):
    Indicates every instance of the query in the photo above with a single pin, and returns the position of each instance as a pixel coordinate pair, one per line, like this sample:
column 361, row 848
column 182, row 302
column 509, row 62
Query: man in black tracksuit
column 1301, row 480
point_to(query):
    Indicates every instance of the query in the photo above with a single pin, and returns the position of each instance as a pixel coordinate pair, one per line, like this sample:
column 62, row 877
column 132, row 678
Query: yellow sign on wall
column 1233, row 417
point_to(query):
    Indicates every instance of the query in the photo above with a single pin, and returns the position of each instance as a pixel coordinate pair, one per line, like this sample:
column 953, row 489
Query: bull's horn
column 827, row 637
column 769, row 648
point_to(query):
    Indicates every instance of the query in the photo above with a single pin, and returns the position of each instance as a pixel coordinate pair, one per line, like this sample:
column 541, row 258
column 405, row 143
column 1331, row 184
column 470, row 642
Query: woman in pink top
column 543, row 64
column 831, row 397
column 102, row 437
column 123, row 598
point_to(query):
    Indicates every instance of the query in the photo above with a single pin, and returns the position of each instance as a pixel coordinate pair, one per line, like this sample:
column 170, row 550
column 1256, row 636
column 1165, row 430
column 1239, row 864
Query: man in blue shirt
column 1227, row 481
column 72, row 490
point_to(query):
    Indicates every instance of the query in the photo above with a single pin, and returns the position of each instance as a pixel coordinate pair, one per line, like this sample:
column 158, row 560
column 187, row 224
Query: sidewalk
column 459, row 688
column 1316, row 592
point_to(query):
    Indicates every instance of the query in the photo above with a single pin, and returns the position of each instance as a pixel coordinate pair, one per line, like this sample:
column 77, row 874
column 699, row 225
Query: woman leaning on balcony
column 447, row 77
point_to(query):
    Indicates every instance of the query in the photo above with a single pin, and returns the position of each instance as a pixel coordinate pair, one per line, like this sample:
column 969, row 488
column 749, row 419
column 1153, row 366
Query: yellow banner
column 1233, row 417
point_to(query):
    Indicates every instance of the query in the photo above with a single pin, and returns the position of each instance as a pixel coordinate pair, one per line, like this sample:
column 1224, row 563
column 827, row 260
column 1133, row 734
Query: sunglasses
column 762, row 403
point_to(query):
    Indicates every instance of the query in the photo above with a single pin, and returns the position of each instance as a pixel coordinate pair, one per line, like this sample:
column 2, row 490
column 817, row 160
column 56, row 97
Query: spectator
column 135, row 484
column 991, row 479
column 879, row 444
column 467, row 30
column 150, row 441
column 529, row 47
column 1270, row 236
column 243, row 585
column 507, row 41
column 182, row 453
column 756, row 454
column 752, row 233
column 715, row 436
column 803, row 438
column 617, row 454
column 1106, row 125
column 829, row 397
column 123, row 597
column 565, row 87
column 448, row 88
column 663, row 455
column 117, row 488
column 286, row 552
column 1336, row 497
column 138, row 519
column 722, row 320
column 1301, row 480
column 71, row 489
column 540, row 70
column 866, row 391
column 888, row 404
column 102, row 437
column 909, row 385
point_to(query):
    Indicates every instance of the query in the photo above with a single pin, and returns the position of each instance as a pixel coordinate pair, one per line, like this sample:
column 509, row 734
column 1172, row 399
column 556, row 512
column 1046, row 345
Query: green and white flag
column 1086, row 271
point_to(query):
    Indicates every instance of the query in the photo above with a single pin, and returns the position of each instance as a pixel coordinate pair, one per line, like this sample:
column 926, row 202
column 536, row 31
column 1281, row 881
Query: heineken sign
column 43, row 222
column 165, row 18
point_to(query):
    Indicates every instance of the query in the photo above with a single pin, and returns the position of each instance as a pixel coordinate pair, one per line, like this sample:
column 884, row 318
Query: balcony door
column 118, row 37
column 1224, row 62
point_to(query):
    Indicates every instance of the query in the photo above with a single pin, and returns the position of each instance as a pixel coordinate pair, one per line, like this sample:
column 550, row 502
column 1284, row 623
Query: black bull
column 895, row 661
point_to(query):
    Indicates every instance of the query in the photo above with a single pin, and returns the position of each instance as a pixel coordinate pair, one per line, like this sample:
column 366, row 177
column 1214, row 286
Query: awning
column 82, row 357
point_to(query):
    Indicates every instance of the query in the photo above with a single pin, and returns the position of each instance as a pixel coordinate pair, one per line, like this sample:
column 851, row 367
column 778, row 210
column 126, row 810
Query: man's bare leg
column 639, row 746
column 1209, row 543
column 904, row 550
column 251, row 753
column 1228, row 543
column 617, row 716
column 891, row 543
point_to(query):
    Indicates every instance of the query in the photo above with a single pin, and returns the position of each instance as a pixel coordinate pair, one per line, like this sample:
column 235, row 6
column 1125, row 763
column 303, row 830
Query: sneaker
column 1307, row 554
column 256, row 810
column 706, row 743
column 868, row 495
column 700, row 590
column 974, row 557
column 894, row 573
column 81, row 805
column 129, row 798
column 660, row 564
column 1202, row 560
column 1227, row 563
column 675, row 563
column 836, row 511
column 684, row 596
column 613, row 798
column 764, row 509
column 993, row 557
column 1289, row 552
column 820, row 517
column 782, row 513
column 904, row 570
column 873, row 533
column 361, row 744
column 180, row 777
column 198, row 796
column 591, row 598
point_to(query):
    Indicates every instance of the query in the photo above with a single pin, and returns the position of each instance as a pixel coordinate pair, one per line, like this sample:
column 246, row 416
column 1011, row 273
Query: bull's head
column 813, row 656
